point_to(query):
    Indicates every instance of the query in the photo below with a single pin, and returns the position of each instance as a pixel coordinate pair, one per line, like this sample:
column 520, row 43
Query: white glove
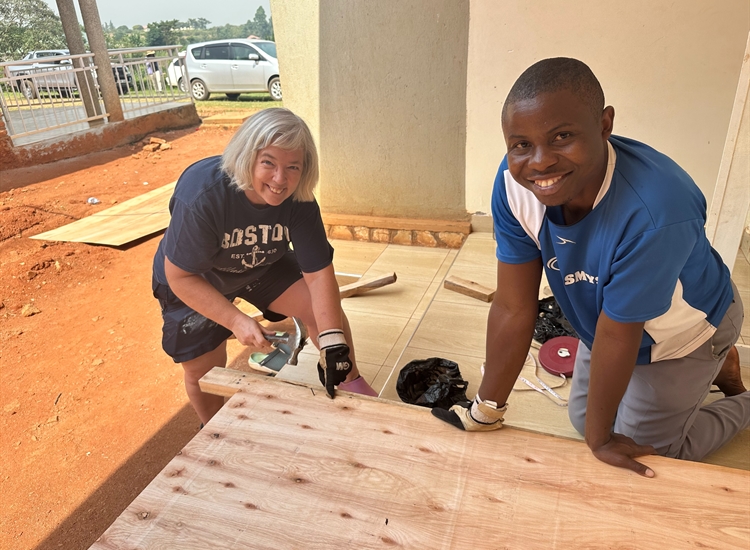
column 473, row 416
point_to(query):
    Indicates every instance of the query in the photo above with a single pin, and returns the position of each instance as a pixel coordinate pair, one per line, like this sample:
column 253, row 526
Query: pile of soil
column 91, row 409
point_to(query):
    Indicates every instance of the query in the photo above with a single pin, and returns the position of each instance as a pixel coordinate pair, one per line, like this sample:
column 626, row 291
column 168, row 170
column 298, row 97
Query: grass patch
column 219, row 104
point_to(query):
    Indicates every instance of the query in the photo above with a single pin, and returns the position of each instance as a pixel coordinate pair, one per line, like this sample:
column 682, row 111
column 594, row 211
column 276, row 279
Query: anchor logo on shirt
column 255, row 261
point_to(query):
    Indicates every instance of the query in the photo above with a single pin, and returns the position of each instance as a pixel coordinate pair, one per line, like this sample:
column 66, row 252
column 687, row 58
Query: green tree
column 199, row 24
column 134, row 40
column 163, row 33
column 259, row 26
column 227, row 31
column 27, row 25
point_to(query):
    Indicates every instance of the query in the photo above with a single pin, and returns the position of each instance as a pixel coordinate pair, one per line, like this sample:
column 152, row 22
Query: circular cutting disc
column 558, row 355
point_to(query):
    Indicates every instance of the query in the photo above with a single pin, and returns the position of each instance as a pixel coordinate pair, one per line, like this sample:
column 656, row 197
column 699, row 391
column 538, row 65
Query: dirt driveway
column 91, row 408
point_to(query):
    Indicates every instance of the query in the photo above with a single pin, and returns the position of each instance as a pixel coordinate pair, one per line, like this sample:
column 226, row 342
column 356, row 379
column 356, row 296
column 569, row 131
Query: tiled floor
column 417, row 318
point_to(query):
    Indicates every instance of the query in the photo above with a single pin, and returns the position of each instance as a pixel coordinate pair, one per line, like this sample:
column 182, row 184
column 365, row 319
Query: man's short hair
column 275, row 126
column 556, row 74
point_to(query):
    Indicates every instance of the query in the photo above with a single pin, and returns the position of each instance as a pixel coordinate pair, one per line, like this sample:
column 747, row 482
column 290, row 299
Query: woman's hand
column 248, row 331
column 200, row 295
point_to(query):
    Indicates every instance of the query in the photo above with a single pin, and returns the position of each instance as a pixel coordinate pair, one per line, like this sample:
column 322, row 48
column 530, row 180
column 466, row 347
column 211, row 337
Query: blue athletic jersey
column 641, row 254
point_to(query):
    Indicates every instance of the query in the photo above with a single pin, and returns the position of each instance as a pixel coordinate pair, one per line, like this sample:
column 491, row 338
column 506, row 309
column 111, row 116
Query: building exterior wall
column 670, row 69
column 296, row 31
column 390, row 109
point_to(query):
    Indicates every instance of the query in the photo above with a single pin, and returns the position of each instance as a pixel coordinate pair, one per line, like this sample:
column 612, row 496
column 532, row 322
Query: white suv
column 233, row 67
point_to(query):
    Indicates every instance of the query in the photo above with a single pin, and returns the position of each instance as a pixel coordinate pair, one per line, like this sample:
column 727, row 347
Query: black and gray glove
column 334, row 365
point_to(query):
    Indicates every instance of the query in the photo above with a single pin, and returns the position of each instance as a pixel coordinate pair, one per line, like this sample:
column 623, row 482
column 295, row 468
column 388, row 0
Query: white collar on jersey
column 611, row 159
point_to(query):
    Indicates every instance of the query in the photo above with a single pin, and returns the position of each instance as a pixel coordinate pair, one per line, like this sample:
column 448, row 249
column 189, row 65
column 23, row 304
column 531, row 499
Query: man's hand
column 473, row 416
column 620, row 451
column 335, row 364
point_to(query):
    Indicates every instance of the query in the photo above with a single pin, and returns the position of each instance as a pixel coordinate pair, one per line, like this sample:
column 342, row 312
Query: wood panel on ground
column 135, row 218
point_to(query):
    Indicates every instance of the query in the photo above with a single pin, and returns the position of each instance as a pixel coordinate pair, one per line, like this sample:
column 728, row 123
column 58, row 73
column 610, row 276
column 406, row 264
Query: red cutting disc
column 558, row 355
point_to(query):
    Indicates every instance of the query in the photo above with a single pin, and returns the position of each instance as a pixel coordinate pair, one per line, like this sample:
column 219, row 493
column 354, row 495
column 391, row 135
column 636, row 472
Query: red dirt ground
column 91, row 409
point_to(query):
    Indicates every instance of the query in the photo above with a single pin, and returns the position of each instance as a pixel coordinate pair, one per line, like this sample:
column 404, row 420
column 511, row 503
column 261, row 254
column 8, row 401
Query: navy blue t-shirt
column 217, row 232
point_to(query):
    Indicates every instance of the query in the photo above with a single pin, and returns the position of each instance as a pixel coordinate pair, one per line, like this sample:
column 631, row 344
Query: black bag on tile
column 432, row 382
column 551, row 322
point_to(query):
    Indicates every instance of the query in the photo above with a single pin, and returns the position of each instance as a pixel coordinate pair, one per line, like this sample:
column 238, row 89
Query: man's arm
column 510, row 327
column 613, row 358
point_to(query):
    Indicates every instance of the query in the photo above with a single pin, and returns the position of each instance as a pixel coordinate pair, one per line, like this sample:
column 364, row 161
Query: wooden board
column 365, row 285
column 731, row 200
column 283, row 466
column 135, row 218
column 469, row 288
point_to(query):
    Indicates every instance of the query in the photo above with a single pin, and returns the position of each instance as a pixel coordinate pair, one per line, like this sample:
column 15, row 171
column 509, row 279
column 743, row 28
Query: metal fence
column 59, row 94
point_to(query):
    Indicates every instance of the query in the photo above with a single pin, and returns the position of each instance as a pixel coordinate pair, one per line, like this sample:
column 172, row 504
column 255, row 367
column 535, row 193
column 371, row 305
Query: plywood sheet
column 120, row 224
column 283, row 466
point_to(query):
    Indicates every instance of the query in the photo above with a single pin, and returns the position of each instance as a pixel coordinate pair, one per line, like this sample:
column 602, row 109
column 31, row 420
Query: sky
column 141, row 12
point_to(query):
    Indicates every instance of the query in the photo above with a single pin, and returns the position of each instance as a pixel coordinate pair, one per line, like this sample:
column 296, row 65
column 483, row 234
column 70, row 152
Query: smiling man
column 619, row 230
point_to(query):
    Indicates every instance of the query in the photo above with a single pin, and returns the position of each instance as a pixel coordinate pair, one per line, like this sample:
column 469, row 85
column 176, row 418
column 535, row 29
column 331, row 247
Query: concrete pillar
column 86, row 88
column 385, row 84
column 93, row 25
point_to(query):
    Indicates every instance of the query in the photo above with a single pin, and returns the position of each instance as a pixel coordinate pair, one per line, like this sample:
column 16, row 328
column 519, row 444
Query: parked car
column 233, row 67
column 176, row 74
column 52, row 73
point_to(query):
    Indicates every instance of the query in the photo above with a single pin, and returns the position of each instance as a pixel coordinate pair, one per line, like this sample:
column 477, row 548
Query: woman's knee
column 196, row 368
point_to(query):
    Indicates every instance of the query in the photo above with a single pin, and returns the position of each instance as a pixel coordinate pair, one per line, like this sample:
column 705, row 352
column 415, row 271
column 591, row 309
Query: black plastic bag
column 432, row 382
column 551, row 322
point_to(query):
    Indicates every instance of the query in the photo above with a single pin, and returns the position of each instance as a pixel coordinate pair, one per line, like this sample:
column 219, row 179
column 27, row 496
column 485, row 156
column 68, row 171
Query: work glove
column 473, row 416
column 334, row 365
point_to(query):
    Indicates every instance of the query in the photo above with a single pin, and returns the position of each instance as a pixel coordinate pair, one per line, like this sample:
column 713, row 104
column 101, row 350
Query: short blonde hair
column 281, row 128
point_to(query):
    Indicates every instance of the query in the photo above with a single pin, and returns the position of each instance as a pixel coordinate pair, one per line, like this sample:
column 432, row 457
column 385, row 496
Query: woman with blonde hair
column 234, row 218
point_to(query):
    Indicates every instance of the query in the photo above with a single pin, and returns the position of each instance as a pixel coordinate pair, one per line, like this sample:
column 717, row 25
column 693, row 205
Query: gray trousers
column 662, row 404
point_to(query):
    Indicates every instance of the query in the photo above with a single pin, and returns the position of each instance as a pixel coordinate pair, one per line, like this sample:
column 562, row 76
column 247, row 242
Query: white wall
column 670, row 69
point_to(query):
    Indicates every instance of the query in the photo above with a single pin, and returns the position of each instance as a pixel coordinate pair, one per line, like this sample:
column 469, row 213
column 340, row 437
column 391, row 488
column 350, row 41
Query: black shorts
column 187, row 334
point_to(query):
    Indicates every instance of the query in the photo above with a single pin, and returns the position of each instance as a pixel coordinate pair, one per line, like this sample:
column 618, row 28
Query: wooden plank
column 135, row 218
column 469, row 288
column 282, row 467
column 731, row 200
column 453, row 226
column 366, row 285
column 225, row 382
